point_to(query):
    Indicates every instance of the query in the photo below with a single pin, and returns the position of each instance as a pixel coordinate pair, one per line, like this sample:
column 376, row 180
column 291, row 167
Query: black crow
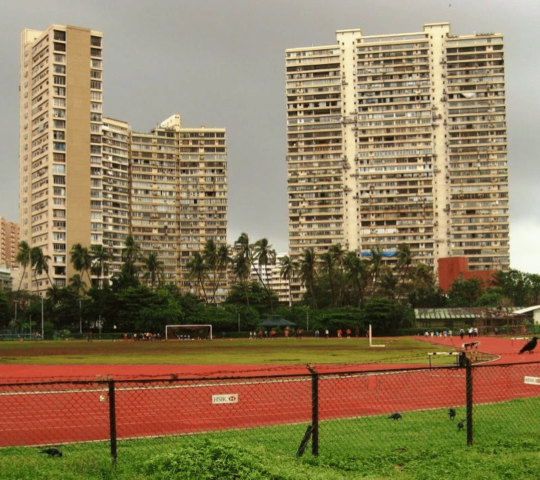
column 452, row 414
column 530, row 346
column 461, row 424
column 395, row 416
column 52, row 452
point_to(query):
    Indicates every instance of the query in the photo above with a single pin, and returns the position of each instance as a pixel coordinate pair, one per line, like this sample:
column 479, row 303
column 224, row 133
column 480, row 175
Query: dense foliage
column 342, row 290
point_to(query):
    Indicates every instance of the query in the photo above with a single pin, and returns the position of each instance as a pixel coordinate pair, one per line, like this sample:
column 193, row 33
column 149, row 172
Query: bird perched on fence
column 531, row 345
column 452, row 414
column 52, row 452
column 461, row 424
column 395, row 416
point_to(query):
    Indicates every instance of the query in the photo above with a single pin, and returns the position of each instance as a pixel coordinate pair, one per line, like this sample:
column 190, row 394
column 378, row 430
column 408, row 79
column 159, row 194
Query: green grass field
column 218, row 352
column 423, row 445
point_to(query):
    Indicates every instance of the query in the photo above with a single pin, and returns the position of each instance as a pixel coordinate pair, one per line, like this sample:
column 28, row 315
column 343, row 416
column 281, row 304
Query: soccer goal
column 188, row 332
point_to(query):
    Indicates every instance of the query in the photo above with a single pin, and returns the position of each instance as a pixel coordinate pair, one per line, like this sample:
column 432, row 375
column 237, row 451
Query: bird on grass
column 461, row 424
column 531, row 345
column 452, row 414
column 395, row 416
column 52, row 452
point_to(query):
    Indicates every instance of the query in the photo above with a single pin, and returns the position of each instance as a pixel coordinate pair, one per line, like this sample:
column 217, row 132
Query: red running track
column 57, row 413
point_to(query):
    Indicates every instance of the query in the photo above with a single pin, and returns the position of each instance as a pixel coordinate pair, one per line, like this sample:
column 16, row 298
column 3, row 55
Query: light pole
column 80, row 315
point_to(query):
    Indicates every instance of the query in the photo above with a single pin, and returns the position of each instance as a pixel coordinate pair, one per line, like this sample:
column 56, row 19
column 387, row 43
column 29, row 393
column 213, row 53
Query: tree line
column 340, row 289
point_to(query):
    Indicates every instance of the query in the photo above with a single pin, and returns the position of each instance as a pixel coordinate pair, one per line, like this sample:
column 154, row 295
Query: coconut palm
column 288, row 270
column 198, row 270
column 375, row 266
column 130, row 255
column 154, row 269
column 242, row 271
column 357, row 272
column 308, row 271
column 264, row 254
column 223, row 260
column 24, row 258
column 100, row 259
column 338, row 255
column 327, row 266
column 40, row 264
column 81, row 259
column 77, row 285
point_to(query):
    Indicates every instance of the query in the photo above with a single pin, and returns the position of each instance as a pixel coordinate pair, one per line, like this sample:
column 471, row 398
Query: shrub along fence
column 330, row 413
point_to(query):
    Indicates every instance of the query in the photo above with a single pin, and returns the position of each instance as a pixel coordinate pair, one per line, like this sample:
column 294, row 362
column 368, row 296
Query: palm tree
column 264, row 254
column 338, row 255
column 308, row 269
column 154, row 268
column 242, row 271
column 40, row 264
column 24, row 258
column 77, row 285
column 130, row 254
column 328, row 266
column 197, row 270
column 288, row 270
column 375, row 266
column 81, row 259
column 358, row 273
column 223, row 260
column 388, row 283
column 100, row 257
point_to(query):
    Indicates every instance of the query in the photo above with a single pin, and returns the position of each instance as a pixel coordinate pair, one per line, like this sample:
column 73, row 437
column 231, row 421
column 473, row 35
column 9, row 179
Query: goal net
column 188, row 332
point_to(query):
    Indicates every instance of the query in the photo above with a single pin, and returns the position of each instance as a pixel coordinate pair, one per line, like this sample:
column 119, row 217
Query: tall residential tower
column 400, row 139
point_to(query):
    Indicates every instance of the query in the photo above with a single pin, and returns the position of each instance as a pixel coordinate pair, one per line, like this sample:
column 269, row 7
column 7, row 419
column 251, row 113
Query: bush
column 208, row 460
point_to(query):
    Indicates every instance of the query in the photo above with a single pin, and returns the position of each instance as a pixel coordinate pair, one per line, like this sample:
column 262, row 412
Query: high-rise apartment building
column 400, row 139
column 9, row 242
column 60, row 144
column 91, row 180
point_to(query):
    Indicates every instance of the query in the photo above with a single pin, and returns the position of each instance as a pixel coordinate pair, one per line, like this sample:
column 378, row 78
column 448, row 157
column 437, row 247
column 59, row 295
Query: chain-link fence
column 344, row 414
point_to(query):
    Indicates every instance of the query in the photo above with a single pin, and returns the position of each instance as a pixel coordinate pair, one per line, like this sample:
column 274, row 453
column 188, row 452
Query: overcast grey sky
column 221, row 63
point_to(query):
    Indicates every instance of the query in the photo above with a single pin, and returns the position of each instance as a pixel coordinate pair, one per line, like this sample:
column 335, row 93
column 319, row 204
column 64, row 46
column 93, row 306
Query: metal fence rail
column 330, row 413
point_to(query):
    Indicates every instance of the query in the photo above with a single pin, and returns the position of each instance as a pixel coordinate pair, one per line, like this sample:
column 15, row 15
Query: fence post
column 469, row 376
column 314, row 411
column 112, row 419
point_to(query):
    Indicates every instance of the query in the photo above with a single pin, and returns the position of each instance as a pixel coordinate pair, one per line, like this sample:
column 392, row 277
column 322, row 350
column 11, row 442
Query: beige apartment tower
column 9, row 242
column 91, row 180
column 400, row 139
column 60, row 144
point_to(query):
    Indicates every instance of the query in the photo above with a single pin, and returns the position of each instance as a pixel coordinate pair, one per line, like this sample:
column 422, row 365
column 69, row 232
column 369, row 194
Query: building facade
column 60, row 144
column 400, row 139
column 9, row 242
column 89, row 179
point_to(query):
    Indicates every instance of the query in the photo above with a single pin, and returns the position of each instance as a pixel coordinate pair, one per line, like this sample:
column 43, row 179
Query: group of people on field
column 144, row 337
column 298, row 333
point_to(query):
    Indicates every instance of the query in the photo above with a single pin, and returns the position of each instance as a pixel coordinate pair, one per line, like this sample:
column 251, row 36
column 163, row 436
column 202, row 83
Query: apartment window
column 95, row 226
column 59, row 191
column 61, row 91
column 59, row 201
column 95, row 128
column 95, row 52
column 59, row 236
column 96, row 96
column 59, row 157
column 96, row 107
column 94, row 149
column 59, row 180
column 95, row 138
column 60, row 35
column 96, row 238
column 60, row 47
column 59, row 169
column 59, row 135
column 59, row 123
column 59, row 146
column 59, row 58
column 57, row 80
column 59, row 259
column 59, row 113
column 95, row 216
column 60, row 69
column 95, row 117
column 95, row 74
column 95, row 63
column 95, row 85
column 95, row 41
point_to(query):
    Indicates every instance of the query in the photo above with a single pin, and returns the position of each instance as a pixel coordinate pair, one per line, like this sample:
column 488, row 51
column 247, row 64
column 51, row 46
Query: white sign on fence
column 532, row 380
column 226, row 398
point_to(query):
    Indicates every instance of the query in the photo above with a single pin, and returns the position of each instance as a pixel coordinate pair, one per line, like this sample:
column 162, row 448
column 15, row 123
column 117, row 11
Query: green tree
column 198, row 271
column 4, row 310
column 288, row 270
column 327, row 266
column 100, row 258
column 40, row 264
column 308, row 272
column 81, row 259
column 242, row 270
column 465, row 293
column 375, row 264
column 153, row 267
column 386, row 316
column 24, row 258
column 130, row 255
column 357, row 273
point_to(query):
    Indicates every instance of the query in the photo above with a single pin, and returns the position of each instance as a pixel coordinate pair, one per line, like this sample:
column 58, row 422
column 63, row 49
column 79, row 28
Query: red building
column 457, row 268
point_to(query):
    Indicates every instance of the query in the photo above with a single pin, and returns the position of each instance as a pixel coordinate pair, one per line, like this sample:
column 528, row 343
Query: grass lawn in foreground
column 423, row 445
column 219, row 352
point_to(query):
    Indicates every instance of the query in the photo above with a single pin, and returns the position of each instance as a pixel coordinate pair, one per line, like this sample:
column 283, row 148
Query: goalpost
column 370, row 339
column 188, row 332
